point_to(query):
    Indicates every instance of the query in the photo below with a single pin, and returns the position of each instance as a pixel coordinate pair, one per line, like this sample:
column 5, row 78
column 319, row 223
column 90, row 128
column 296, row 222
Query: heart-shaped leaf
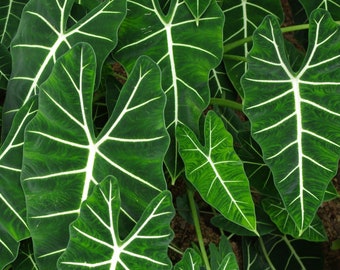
column 179, row 46
column 43, row 36
column 295, row 120
column 95, row 240
column 217, row 172
column 64, row 160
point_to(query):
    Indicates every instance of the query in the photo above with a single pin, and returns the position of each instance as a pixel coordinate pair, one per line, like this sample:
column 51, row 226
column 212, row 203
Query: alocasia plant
column 87, row 161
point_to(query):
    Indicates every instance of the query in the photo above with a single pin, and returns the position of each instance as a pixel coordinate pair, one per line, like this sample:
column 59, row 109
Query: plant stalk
column 291, row 28
column 195, row 217
column 226, row 103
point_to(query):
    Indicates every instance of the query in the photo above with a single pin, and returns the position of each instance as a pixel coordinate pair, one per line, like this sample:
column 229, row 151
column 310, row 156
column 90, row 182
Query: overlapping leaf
column 10, row 12
column 315, row 231
column 95, row 240
column 242, row 18
column 333, row 6
column 63, row 159
column 295, row 119
column 12, row 199
column 8, row 248
column 191, row 261
column 180, row 48
column 43, row 36
column 280, row 252
column 217, row 172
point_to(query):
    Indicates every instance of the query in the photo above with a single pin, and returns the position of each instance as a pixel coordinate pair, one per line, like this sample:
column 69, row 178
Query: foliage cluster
column 86, row 161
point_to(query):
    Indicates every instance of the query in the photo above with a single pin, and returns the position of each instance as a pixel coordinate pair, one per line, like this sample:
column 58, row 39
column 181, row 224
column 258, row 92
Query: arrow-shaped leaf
column 64, row 160
column 295, row 119
column 43, row 36
column 180, row 48
column 95, row 240
column 217, row 172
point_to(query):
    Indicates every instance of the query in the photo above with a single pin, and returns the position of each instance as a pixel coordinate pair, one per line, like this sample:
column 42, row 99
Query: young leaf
column 217, row 172
column 64, row 160
column 242, row 18
column 42, row 37
column 295, row 118
column 12, row 199
column 223, row 257
column 191, row 261
column 180, row 48
column 94, row 238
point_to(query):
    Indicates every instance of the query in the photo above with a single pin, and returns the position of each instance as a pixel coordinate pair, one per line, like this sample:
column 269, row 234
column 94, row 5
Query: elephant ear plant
column 207, row 93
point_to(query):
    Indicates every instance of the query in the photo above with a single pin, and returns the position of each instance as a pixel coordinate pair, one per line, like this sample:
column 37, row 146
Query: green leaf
column 197, row 8
column 95, row 241
column 12, row 199
column 5, row 66
column 10, row 12
column 180, row 48
column 217, row 172
column 280, row 252
column 64, row 160
column 315, row 232
column 294, row 119
column 222, row 257
column 242, row 18
column 191, row 261
column 264, row 225
column 8, row 248
column 42, row 37
column 25, row 259
column 331, row 6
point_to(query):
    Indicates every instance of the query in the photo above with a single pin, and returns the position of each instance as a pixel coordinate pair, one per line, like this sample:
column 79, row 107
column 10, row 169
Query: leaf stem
column 194, row 213
column 286, row 29
column 226, row 103
column 265, row 253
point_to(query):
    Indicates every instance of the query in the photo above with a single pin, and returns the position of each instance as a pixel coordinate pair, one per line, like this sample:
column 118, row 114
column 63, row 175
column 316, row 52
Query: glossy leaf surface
column 12, row 199
column 178, row 45
column 295, row 118
column 43, row 36
column 95, row 240
column 217, row 172
column 242, row 18
column 64, row 160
